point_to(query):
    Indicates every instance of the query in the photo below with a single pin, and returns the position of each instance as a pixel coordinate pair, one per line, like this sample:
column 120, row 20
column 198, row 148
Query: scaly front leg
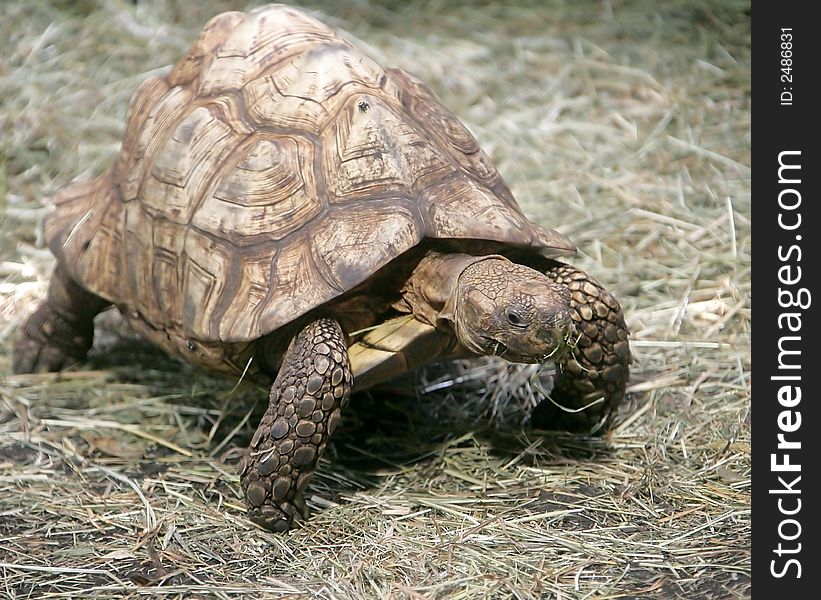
column 313, row 386
column 591, row 377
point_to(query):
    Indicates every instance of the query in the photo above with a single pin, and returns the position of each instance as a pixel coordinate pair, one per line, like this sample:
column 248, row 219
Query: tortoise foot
column 591, row 377
column 312, row 388
column 61, row 330
column 48, row 342
column 279, row 518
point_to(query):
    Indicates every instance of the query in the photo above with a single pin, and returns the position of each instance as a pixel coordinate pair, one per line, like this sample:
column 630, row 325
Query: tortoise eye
column 515, row 318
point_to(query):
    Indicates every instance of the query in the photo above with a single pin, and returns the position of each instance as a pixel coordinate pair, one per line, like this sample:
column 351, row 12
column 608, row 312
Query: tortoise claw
column 278, row 518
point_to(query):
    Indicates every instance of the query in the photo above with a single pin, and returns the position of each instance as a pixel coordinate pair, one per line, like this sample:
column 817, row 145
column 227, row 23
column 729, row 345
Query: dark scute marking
column 256, row 493
column 279, row 428
column 321, row 364
column 269, row 465
column 281, row 488
column 586, row 312
column 622, row 350
column 333, row 421
column 306, row 407
column 593, row 353
column 304, row 455
column 305, row 428
column 613, row 373
column 328, row 401
column 314, row 384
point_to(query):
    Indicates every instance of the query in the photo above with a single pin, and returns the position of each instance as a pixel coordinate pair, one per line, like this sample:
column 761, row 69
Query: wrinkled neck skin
column 430, row 293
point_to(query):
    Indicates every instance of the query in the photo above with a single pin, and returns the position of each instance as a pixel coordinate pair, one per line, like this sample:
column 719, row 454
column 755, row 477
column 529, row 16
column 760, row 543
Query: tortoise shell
column 275, row 168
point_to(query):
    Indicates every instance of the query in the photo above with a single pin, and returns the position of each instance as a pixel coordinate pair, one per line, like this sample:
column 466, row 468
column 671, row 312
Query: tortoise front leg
column 313, row 385
column 61, row 330
column 591, row 377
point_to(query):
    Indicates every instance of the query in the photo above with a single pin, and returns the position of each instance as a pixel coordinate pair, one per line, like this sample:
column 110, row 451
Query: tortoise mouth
column 497, row 348
column 560, row 342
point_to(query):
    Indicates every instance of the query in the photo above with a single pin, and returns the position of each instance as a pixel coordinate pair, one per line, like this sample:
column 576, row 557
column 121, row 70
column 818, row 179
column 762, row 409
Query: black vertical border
column 776, row 129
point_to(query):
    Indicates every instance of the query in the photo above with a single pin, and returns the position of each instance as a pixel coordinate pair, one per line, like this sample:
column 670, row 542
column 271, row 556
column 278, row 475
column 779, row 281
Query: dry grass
column 624, row 124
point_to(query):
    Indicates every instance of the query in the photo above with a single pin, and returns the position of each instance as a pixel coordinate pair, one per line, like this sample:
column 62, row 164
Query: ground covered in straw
column 624, row 124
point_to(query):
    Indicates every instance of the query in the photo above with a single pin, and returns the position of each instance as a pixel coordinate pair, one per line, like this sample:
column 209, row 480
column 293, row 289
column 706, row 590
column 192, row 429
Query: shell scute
column 181, row 169
column 206, row 273
column 260, row 41
column 351, row 245
column 157, row 121
column 370, row 149
column 265, row 196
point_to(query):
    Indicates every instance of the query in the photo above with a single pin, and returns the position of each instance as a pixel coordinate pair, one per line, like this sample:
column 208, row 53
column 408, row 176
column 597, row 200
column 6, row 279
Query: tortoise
column 285, row 209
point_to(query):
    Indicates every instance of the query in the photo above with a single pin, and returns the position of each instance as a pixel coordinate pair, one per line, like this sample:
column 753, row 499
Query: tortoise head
column 512, row 311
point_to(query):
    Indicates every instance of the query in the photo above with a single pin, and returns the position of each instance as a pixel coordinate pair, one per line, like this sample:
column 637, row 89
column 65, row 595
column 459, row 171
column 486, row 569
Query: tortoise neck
column 430, row 291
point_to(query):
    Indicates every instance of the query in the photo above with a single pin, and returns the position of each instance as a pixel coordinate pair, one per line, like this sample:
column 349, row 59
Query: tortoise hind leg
column 61, row 330
column 313, row 385
column 591, row 377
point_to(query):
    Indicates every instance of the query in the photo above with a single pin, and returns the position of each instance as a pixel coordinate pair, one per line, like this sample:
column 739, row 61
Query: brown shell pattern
column 273, row 169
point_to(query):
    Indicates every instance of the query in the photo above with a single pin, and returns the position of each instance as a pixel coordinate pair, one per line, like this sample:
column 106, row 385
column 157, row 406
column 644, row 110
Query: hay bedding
column 627, row 124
